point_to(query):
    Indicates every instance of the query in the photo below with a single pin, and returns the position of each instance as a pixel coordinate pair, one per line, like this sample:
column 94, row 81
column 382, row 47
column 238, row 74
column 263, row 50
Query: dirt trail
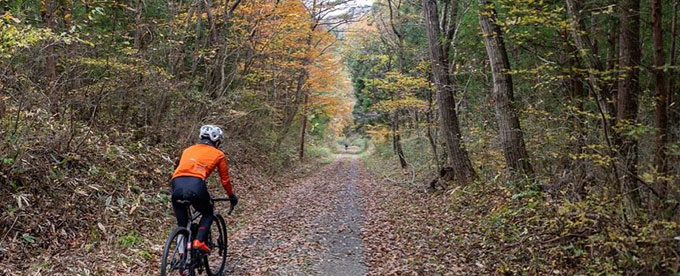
column 315, row 229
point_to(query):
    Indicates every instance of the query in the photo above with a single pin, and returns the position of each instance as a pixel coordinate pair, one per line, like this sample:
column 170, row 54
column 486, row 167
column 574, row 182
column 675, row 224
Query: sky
column 353, row 3
column 364, row 2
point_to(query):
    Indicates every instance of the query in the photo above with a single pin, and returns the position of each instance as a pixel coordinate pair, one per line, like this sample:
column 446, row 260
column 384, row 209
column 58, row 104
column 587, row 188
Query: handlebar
column 231, row 208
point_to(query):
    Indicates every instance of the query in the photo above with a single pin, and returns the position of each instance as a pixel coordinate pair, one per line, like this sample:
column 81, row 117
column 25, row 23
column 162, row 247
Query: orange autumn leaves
column 287, row 40
column 283, row 52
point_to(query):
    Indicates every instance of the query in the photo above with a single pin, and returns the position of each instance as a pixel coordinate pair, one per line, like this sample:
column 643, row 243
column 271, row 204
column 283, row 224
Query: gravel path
column 314, row 228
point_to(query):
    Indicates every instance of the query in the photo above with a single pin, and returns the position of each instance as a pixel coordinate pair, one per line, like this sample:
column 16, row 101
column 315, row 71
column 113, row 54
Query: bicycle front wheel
column 215, row 261
column 174, row 253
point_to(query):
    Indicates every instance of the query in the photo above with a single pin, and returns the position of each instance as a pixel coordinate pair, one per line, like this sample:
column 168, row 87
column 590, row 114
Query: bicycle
column 184, row 259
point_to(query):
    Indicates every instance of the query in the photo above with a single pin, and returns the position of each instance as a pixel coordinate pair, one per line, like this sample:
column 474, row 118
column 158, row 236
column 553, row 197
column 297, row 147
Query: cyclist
column 188, row 181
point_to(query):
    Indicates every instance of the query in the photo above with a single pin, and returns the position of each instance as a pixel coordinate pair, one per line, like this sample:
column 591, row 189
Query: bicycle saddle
column 183, row 202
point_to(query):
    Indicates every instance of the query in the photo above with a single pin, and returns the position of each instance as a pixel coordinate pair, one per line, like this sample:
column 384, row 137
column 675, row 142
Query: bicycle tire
column 220, row 248
column 166, row 250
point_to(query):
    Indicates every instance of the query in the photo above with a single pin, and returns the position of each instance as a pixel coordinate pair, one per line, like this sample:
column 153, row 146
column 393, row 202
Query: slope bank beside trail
column 105, row 209
column 489, row 228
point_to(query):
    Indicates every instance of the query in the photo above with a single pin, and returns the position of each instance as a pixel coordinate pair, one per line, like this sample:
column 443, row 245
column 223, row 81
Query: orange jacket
column 200, row 160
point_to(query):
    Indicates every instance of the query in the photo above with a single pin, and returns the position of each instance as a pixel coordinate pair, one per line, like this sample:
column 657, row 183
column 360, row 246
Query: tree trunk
column 598, row 87
column 433, row 145
column 304, row 127
column 198, row 9
column 575, row 94
column 457, row 154
column 398, row 150
column 50, row 21
column 2, row 110
column 430, row 130
column 672, row 100
column 138, row 25
column 627, row 98
column 290, row 110
column 609, row 93
column 508, row 123
column 660, row 95
column 397, row 140
column 589, row 55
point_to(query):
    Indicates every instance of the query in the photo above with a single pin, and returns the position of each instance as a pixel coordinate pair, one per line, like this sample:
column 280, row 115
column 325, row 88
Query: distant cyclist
column 188, row 181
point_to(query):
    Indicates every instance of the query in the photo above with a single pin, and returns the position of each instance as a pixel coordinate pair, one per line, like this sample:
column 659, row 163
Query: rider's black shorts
column 194, row 190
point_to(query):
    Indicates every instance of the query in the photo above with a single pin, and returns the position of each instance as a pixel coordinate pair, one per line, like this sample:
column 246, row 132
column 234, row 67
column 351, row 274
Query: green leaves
column 632, row 129
column 8, row 16
column 14, row 36
column 408, row 102
column 8, row 161
column 28, row 238
column 395, row 82
column 132, row 238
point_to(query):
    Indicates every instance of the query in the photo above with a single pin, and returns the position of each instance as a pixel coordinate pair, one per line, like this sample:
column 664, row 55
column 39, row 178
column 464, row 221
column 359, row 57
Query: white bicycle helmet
column 211, row 132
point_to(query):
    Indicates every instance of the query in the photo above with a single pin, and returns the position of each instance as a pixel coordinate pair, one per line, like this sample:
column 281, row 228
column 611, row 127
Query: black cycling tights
column 194, row 190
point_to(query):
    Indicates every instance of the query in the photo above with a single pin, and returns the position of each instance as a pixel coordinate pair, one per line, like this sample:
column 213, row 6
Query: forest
column 364, row 137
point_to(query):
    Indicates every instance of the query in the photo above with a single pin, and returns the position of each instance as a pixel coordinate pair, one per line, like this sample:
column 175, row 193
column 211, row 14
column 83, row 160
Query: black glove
column 233, row 200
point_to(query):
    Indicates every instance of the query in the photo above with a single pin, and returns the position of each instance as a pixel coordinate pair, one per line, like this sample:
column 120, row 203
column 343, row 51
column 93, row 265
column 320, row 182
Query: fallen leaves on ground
column 295, row 230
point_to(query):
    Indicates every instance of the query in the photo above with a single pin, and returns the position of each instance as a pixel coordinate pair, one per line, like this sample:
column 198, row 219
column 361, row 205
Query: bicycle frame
column 193, row 256
column 188, row 248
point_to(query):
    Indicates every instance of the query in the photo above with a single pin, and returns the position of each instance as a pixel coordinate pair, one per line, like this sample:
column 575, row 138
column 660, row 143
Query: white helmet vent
column 211, row 132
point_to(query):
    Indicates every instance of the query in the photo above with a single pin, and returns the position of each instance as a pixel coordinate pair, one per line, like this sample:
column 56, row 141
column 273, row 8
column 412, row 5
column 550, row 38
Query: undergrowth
column 511, row 227
column 100, row 198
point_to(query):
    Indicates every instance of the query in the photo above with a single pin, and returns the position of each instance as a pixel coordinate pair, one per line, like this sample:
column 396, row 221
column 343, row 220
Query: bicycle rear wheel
column 174, row 252
column 215, row 261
